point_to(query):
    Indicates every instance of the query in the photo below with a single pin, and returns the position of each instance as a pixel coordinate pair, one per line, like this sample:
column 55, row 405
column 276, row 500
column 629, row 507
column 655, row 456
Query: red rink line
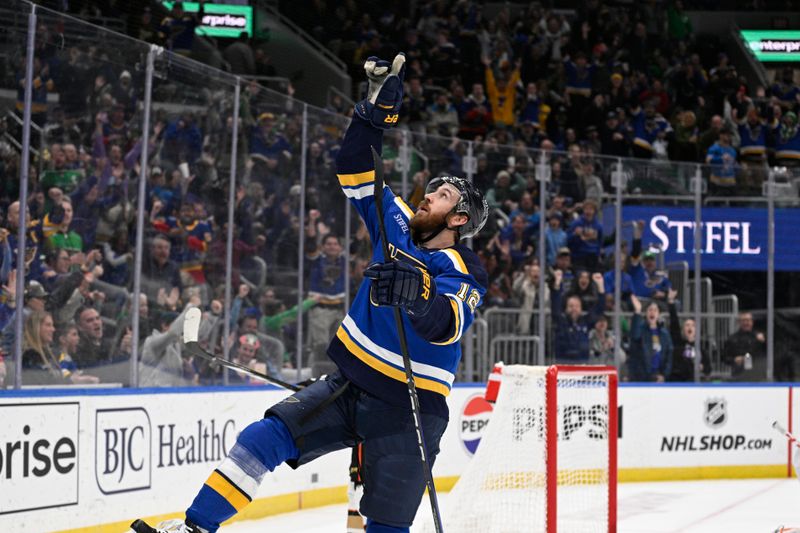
column 730, row 506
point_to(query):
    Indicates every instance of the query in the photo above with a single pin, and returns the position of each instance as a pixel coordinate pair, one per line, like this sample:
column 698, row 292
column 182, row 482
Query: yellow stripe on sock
column 227, row 490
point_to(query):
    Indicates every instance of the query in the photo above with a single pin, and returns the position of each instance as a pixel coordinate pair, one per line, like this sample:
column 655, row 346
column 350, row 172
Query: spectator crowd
column 621, row 80
column 632, row 83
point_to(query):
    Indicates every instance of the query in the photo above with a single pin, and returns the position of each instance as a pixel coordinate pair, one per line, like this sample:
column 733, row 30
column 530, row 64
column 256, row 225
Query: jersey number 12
column 473, row 298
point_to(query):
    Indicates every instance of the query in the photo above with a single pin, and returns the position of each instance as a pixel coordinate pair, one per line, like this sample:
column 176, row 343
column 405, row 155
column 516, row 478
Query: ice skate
column 176, row 525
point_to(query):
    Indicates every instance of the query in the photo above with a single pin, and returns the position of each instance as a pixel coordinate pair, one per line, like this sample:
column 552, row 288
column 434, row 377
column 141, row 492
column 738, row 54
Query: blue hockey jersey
column 366, row 347
column 753, row 141
column 645, row 131
column 787, row 147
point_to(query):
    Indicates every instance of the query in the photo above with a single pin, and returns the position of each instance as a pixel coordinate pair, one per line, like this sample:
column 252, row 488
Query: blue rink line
column 78, row 391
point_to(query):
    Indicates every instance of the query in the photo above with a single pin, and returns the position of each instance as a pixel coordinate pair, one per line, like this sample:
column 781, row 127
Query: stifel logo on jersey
column 474, row 419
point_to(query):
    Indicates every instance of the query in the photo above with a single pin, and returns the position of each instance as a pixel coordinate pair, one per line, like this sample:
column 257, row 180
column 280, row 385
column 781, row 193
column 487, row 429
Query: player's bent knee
column 394, row 485
column 269, row 441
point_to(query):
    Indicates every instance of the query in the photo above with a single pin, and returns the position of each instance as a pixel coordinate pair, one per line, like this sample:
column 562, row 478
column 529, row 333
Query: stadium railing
column 257, row 187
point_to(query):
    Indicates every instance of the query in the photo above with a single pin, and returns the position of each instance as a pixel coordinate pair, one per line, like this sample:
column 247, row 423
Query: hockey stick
column 792, row 442
column 191, row 329
column 401, row 333
column 782, row 430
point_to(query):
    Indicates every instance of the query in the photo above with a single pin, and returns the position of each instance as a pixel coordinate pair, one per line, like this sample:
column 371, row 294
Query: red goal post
column 552, row 433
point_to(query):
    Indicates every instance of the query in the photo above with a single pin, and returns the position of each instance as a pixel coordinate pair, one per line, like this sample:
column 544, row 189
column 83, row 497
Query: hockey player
column 437, row 282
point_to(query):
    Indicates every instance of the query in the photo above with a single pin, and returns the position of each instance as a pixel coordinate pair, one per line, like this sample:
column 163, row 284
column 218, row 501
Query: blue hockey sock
column 261, row 447
column 377, row 527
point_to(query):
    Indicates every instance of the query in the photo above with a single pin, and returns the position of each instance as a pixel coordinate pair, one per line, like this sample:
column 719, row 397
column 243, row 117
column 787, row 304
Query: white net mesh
column 503, row 490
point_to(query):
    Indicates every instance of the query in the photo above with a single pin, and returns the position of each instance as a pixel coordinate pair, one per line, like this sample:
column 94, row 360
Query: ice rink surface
column 723, row 506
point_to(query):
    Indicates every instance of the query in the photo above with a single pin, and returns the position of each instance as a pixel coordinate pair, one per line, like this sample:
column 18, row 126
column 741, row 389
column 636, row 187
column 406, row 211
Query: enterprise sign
column 221, row 20
column 773, row 45
column 732, row 238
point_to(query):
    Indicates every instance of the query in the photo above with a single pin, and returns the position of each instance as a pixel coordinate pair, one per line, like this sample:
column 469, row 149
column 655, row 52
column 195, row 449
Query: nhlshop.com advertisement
column 668, row 427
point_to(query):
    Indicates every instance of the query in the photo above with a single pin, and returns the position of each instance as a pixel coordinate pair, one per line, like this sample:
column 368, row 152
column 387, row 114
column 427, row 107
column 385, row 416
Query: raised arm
column 636, row 322
column 674, row 321
column 132, row 157
column 600, row 304
column 380, row 110
column 636, row 245
column 355, row 158
column 555, row 296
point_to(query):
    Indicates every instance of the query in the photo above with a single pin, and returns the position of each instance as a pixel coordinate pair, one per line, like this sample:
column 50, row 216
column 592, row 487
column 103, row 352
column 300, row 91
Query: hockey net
column 547, row 461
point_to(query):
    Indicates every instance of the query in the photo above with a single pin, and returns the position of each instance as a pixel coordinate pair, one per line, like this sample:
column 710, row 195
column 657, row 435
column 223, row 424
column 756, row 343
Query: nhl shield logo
column 716, row 413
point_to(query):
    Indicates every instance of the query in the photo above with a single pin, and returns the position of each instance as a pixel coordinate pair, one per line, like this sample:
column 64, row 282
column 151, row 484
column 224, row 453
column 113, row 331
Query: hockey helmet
column 472, row 204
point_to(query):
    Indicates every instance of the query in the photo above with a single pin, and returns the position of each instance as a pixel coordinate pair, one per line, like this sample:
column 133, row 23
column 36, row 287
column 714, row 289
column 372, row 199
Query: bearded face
column 186, row 214
column 436, row 212
column 425, row 221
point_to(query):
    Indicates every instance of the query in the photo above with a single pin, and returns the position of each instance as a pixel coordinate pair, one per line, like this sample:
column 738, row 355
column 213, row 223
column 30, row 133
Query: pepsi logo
column 473, row 422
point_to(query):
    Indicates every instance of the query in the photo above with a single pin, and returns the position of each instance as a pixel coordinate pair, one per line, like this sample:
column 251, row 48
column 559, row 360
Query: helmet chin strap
column 431, row 235
column 437, row 231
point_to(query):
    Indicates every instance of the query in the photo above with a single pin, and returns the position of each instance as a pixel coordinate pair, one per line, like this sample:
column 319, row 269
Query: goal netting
column 546, row 462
